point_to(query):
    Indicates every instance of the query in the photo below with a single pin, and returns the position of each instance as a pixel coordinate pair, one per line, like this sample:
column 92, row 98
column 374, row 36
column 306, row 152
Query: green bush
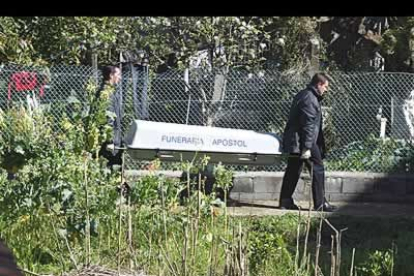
column 375, row 155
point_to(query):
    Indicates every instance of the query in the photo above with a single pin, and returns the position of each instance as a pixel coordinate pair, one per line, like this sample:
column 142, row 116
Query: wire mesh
column 353, row 108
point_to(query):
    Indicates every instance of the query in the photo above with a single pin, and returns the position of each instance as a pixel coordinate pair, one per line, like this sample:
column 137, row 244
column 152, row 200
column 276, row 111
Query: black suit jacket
column 304, row 127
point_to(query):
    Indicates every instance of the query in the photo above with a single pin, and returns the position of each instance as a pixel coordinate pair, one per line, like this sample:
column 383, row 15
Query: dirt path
column 265, row 208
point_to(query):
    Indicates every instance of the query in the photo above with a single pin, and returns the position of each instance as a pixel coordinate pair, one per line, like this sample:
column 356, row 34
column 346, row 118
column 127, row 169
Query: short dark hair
column 319, row 78
column 107, row 71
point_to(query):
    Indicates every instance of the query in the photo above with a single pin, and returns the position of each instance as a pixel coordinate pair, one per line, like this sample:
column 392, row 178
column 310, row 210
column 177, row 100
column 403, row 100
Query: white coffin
column 148, row 140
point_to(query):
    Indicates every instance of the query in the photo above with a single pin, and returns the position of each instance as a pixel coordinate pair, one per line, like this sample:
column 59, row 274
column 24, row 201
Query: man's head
column 111, row 74
column 320, row 82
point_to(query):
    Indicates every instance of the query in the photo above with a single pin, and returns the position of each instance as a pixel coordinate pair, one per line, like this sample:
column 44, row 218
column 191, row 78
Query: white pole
column 186, row 80
column 383, row 126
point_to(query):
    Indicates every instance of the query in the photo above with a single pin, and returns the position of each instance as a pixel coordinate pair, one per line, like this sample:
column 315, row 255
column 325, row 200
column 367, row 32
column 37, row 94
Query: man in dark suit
column 111, row 77
column 303, row 139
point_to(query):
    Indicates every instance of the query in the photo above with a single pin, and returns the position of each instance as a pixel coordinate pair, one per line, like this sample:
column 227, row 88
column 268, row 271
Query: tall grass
column 64, row 210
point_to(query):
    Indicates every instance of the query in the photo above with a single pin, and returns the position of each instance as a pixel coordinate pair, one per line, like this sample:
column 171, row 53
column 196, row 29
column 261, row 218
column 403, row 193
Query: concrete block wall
column 339, row 186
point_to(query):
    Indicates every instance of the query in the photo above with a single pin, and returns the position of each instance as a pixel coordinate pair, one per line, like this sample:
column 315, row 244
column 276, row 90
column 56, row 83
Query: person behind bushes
column 111, row 96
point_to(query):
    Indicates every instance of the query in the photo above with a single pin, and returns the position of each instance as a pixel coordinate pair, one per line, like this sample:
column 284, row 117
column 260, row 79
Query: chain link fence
column 353, row 109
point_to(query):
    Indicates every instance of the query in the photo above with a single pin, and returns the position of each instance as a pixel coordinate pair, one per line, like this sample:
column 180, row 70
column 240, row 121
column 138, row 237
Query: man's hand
column 306, row 154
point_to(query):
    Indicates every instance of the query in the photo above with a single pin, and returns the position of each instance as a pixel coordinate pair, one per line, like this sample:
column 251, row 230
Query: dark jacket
column 115, row 106
column 304, row 127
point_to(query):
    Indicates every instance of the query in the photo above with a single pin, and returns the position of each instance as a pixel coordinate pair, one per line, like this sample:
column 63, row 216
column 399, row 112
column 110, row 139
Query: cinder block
column 358, row 185
column 409, row 198
column 333, row 185
column 409, row 182
column 381, row 197
column 396, row 186
column 267, row 184
column 349, row 197
column 302, row 197
column 243, row 184
column 267, row 196
column 243, row 197
column 303, row 187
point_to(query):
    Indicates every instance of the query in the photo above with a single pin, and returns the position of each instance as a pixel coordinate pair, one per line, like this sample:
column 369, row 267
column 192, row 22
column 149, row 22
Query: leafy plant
column 26, row 134
column 373, row 154
column 380, row 263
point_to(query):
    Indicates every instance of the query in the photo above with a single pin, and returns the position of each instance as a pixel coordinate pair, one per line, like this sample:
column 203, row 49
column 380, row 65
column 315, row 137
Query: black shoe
column 287, row 204
column 289, row 207
column 326, row 207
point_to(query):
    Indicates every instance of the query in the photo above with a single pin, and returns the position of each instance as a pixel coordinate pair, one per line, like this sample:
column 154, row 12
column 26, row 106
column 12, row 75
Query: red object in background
column 24, row 81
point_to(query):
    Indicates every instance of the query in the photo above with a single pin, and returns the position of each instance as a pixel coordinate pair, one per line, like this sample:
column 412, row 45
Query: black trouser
column 292, row 174
column 113, row 157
